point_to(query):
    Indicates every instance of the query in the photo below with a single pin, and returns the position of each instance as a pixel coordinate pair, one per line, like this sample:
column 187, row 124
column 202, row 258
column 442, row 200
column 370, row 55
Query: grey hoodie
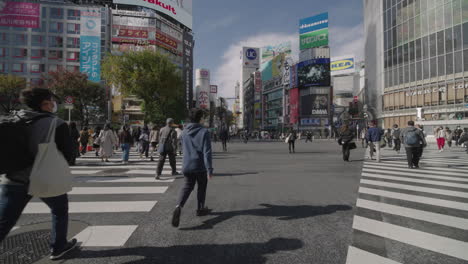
column 196, row 144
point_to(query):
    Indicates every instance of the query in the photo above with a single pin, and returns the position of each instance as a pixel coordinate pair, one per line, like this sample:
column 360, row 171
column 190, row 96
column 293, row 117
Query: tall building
column 416, row 55
column 250, row 62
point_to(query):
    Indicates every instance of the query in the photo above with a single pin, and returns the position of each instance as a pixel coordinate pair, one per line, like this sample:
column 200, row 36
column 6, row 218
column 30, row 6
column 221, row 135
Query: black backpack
column 15, row 154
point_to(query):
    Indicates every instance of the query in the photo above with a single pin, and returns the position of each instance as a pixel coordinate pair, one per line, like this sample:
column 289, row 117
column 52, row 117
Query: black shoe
column 176, row 216
column 410, row 167
column 158, row 177
column 175, row 173
column 203, row 211
column 152, row 159
column 56, row 254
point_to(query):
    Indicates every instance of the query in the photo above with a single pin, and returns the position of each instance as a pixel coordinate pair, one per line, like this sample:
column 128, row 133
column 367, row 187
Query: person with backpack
column 197, row 164
column 32, row 129
column 373, row 137
column 167, row 147
column 154, row 141
column 346, row 140
column 414, row 140
column 84, row 139
column 144, row 142
column 396, row 132
column 126, row 140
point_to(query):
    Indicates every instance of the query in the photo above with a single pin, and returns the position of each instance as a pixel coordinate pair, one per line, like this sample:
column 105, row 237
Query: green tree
column 151, row 77
column 10, row 88
column 89, row 97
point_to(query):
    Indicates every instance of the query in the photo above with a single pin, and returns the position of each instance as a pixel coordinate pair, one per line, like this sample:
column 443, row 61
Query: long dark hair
column 344, row 128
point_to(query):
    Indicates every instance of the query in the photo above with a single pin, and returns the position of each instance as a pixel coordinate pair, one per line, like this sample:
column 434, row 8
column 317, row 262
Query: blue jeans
column 13, row 200
column 126, row 151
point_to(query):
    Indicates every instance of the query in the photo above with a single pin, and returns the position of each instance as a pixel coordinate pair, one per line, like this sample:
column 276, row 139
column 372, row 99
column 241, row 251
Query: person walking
column 464, row 139
column 346, row 140
column 14, row 185
column 396, row 132
column 107, row 141
column 440, row 136
column 126, row 140
column 373, row 137
column 414, row 140
column 144, row 142
column 457, row 135
column 154, row 141
column 75, row 137
column 197, row 164
column 363, row 138
column 388, row 138
column 179, row 130
column 291, row 139
column 84, row 138
column 167, row 147
column 223, row 136
column 448, row 137
column 136, row 138
column 95, row 136
column 308, row 137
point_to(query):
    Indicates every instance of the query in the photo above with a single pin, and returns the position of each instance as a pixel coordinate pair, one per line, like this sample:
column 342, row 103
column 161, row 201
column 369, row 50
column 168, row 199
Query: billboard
column 258, row 86
column 18, row 14
column 293, row 77
column 270, row 52
column 180, row 10
column 250, row 57
column 314, row 104
column 203, row 88
column 187, row 61
column 294, row 105
column 313, row 31
column 90, row 44
column 276, row 63
column 342, row 65
column 314, row 72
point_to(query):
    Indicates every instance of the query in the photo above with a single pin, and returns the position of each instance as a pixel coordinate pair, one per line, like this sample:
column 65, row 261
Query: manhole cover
column 25, row 248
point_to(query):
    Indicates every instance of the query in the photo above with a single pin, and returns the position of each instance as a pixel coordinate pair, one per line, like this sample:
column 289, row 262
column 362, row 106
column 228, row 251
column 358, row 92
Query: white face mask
column 54, row 110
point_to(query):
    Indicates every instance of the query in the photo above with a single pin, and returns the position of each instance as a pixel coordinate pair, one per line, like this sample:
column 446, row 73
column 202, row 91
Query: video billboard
column 180, row 10
column 314, row 72
column 313, row 31
column 18, row 14
column 314, row 104
column 276, row 63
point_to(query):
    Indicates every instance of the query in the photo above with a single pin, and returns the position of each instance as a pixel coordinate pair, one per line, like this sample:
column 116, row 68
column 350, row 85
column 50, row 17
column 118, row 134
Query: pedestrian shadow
column 244, row 253
column 234, row 174
column 282, row 212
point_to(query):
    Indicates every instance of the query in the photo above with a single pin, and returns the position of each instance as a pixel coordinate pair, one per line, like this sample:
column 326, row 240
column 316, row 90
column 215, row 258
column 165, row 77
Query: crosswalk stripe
column 443, row 245
column 415, row 198
column 388, row 165
column 413, row 173
column 85, row 171
column 440, row 219
column 406, row 179
column 123, row 180
column 359, row 256
column 416, row 188
column 95, row 207
column 118, row 190
column 427, row 175
column 406, row 170
column 105, row 236
column 121, row 167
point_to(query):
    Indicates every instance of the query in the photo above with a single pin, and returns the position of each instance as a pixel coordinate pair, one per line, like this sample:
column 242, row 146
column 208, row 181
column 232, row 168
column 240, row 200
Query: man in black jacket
column 167, row 147
column 14, row 185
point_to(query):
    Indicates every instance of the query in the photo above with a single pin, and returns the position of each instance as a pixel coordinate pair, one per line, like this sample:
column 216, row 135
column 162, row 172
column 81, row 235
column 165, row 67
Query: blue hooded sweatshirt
column 196, row 144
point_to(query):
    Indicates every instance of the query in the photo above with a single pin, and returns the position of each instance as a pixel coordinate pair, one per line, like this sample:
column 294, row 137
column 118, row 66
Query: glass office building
column 420, row 50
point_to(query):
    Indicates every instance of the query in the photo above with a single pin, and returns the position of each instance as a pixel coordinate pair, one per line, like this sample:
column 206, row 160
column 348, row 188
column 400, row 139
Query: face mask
column 54, row 110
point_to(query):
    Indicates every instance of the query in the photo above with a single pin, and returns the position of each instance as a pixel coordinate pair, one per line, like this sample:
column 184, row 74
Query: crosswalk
column 412, row 215
column 110, row 188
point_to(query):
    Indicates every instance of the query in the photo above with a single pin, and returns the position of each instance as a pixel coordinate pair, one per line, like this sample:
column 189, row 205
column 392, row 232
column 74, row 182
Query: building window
column 36, row 41
column 44, row 12
column 41, row 27
column 20, row 53
column 73, row 14
column 72, row 68
column 56, row 27
column 449, row 64
column 457, row 38
column 55, row 54
column 37, row 68
column 3, row 38
column 55, row 67
column 458, row 62
column 3, row 52
column 55, row 42
column 73, row 56
column 73, row 42
column 37, row 53
column 17, row 67
column 56, row 13
column 73, row 28
column 2, row 67
column 21, row 39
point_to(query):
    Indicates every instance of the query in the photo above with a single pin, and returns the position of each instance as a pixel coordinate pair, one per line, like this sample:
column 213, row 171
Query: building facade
column 417, row 58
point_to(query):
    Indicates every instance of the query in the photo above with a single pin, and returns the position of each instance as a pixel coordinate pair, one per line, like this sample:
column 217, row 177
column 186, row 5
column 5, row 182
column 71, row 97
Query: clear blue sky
column 221, row 27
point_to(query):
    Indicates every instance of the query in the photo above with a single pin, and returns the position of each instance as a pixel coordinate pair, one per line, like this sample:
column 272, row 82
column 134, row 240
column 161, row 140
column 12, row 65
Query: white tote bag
column 50, row 175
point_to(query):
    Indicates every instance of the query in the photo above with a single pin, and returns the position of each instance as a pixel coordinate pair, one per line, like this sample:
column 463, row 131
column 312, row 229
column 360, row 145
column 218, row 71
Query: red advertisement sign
column 166, row 40
column 133, row 33
column 258, row 82
column 18, row 14
column 294, row 105
column 203, row 99
column 145, row 42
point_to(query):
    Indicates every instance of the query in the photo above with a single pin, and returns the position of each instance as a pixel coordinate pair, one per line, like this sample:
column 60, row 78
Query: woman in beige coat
column 107, row 141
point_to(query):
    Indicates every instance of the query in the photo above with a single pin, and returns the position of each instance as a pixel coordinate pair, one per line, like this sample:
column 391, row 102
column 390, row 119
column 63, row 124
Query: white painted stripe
column 442, row 245
column 147, row 172
column 14, row 228
column 448, row 178
column 105, row 236
column 118, row 190
column 94, row 207
column 406, row 179
column 103, row 167
column 440, row 219
column 416, row 188
column 358, row 256
column 86, row 172
column 414, row 173
column 123, row 180
column 416, row 198
column 424, row 170
column 405, row 165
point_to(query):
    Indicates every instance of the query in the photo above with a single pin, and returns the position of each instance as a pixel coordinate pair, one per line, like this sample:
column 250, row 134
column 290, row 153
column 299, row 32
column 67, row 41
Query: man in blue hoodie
column 197, row 163
column 373, row 137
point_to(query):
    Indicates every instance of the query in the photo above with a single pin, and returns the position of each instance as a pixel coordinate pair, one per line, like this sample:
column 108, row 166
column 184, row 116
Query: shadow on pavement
column 234, row 174
column 211, row 253
column 283, row 212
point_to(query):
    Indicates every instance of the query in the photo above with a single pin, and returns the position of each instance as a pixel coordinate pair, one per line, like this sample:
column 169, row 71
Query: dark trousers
column 144, row 148
column 346, row 151
column 190, row 179
column 84, row 146
column 224, row 141
column 413, row 156
column 162, row 160
column 397, row 143
column 291, row 146
column 13, row 200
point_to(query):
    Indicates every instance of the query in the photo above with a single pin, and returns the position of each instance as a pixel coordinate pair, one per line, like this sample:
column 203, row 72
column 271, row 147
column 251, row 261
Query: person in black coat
column 75, row 137
column 346, row 141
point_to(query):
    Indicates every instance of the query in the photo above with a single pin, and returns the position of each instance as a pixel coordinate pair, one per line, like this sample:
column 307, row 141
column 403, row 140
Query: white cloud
column 344, row 41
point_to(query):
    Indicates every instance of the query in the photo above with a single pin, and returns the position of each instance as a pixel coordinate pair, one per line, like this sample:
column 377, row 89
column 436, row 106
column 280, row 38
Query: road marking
column 94, row 207
column 118, row 190
column 85, row 172
column 416, row 198
column 411, row 174
column 442, row 245
column 404, row 170
column 406, row 179
column 440, row 219
column 358, row 256
column 389, row 164
column 448, row 178
column 122, row 180
column 122, row 167
column 105, row 236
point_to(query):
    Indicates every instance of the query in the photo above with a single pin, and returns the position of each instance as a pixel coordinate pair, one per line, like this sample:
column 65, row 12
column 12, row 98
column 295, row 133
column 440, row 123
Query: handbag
column 352, row 145
column 50, row 174
column 287, row 139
